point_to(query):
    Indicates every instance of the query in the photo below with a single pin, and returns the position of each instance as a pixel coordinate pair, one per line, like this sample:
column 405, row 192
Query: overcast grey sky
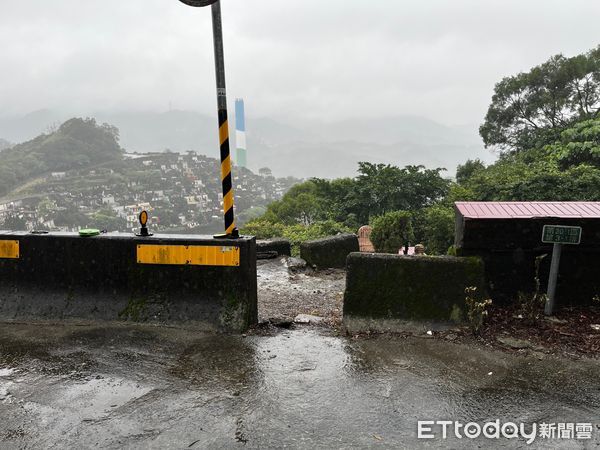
column 292, row 58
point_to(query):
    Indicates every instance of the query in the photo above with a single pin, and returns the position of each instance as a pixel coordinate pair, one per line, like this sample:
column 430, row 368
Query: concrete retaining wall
column 62, row 275
column 281, row 246
column 330, row 251
column 393, row 292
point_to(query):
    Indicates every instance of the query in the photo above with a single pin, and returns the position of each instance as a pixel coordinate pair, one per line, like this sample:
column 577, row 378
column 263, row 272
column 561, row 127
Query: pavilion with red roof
column 507, row 235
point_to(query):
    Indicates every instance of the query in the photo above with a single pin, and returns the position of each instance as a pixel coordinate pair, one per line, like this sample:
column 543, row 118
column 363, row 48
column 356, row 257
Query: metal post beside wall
column 226, row 178
column 557, row 235
column 556, row 250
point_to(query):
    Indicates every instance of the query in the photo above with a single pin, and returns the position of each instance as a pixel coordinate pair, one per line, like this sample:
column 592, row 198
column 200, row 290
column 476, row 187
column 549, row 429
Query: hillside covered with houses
column 97, row 184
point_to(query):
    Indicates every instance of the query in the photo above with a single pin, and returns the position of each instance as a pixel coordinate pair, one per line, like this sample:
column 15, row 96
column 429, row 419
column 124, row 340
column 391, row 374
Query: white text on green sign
column 561, row 234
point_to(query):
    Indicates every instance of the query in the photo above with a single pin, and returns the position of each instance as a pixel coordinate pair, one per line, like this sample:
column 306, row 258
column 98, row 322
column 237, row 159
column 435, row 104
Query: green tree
column 439, row 229
column 253, row 212
column 391, row 231
column 299, row 205
column 337, row 199
column 530, row 109
column 263, row 229
column 380, row 188
column 299, row 233
column 465, row 171
column 377, row 189
column 566, row 170
column 295, row 233
column 579, row 144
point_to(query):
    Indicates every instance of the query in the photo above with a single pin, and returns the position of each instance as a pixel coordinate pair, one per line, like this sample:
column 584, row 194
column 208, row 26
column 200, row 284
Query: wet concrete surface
column 287, row 289
column 115, row 385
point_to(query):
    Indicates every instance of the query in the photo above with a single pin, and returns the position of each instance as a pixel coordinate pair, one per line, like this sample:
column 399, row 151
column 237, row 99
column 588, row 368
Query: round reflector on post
column 143, row 218
column 198, row 2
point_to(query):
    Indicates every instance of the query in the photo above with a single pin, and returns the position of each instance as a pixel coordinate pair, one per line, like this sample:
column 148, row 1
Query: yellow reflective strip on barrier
column 9, row 249
column 223, row 133
column 192, row 255
column 228, row 201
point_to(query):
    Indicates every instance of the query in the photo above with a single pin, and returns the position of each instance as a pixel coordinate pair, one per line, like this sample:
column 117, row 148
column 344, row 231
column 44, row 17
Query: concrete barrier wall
column 330, row 251
column 165, row 278
column 281, row 246
column 393, row 292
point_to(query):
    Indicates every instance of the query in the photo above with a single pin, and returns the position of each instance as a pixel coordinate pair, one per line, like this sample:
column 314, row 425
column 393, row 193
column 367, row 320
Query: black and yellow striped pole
column 226, row 178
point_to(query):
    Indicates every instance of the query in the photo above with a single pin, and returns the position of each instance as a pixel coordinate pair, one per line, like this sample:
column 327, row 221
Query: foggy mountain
column 302, row 149
column 333, row 150
column 4, row 144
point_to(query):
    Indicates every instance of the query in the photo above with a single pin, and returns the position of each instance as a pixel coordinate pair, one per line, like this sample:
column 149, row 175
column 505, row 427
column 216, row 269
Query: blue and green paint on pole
column 240, row 134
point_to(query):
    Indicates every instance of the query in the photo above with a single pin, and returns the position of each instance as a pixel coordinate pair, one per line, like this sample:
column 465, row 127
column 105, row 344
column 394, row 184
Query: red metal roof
column 527, row 210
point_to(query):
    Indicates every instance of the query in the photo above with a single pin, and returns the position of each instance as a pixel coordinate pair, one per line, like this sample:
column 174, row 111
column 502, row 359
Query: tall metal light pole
column 226, row 178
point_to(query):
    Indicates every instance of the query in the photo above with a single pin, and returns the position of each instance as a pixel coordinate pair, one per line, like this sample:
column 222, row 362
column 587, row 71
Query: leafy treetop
column 530, row 109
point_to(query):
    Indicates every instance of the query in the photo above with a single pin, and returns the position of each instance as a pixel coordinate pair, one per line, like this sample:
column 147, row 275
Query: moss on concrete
column 134, row 310
column 283, row 247
column 385, row 286
column 329, row 252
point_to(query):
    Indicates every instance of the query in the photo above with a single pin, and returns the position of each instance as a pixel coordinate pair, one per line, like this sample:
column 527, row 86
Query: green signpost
column 557, row 235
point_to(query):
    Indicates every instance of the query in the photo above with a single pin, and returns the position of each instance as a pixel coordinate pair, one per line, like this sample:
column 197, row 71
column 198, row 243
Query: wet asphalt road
column 127, row 386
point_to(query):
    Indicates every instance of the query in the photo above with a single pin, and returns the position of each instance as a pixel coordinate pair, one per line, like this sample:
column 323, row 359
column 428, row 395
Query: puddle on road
column 218, row 362
column 95, row 398
column 296, row 388
column 6, row 372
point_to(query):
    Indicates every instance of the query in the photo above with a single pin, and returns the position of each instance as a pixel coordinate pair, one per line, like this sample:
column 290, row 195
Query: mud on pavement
column 287, row 288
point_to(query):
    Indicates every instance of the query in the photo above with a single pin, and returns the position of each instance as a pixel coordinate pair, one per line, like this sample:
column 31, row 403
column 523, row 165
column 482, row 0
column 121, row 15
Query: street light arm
column 198, row 2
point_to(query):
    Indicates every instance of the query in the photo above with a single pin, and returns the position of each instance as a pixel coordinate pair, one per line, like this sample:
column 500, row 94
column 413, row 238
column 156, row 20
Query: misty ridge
column 299, row 148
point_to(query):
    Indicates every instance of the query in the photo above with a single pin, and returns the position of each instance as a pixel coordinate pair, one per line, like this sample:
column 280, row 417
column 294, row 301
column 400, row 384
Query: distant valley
column 303, row 149
column 78, row 176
